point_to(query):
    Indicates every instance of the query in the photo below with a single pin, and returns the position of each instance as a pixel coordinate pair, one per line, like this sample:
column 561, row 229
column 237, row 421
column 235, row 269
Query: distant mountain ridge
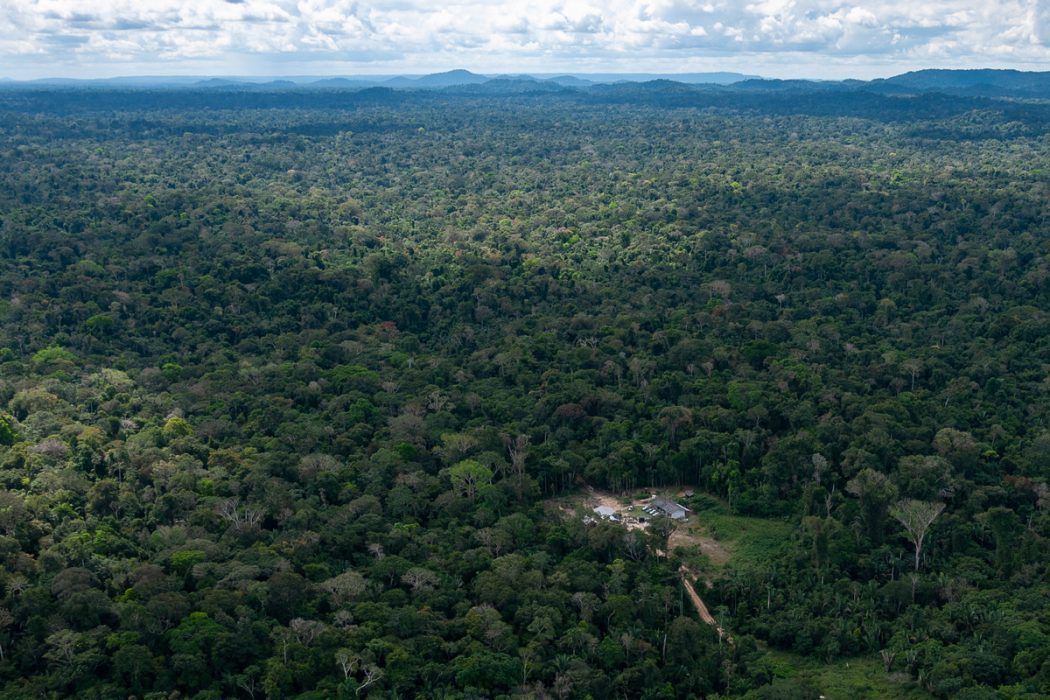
column 441, row 80
column 990, row 83
column 973, row 82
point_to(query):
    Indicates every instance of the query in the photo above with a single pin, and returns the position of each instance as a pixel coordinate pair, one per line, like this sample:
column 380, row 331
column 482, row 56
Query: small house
column 674, row 511
column 605, row 512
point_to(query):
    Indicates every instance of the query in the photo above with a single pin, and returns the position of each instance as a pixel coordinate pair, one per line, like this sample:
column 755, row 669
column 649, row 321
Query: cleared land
column 710, row 540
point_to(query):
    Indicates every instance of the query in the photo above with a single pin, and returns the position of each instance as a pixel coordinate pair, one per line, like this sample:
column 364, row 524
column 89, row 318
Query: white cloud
column 361, row 36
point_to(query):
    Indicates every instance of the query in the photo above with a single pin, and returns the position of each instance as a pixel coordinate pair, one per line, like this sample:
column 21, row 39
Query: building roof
column 605, row 511
column 675, row 510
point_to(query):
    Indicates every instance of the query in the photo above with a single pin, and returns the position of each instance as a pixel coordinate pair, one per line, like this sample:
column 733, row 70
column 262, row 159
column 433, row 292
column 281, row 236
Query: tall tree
column 916, row 517
column 876, row 492
column 468, row 476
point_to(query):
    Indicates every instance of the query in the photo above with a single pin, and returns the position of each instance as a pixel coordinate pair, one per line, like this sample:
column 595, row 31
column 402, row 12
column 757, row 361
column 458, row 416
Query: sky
column 774, row 38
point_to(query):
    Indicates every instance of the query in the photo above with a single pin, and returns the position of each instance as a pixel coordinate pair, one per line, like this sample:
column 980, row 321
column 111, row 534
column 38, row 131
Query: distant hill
column 509, row 86
column 569, row 81
column 658, row 86
column 437, row 80
column 141, row 81
column 233, row 84
column 963, row 83
column 219, row 83
column 347, row 83
column 775, row 85
column 981, row 82
column 718, row 78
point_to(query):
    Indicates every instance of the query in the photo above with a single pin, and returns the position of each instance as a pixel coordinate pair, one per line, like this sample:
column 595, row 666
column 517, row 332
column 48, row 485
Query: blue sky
column 780, row 38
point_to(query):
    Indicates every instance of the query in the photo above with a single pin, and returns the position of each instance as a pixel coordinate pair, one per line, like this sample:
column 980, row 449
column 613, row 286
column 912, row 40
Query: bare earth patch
column 693, row 535
column 690, row 534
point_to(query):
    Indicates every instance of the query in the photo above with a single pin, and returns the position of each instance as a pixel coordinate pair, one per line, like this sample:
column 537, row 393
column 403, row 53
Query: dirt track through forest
column 701, row 607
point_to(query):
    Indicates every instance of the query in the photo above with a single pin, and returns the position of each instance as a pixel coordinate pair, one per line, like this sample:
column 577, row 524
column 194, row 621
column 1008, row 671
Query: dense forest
column 288, row 383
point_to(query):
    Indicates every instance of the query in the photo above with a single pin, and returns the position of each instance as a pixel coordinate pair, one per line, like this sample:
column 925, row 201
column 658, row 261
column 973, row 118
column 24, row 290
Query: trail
column 701, row 608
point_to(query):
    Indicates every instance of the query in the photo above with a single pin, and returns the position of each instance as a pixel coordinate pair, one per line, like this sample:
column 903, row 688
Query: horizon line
column 498, row 74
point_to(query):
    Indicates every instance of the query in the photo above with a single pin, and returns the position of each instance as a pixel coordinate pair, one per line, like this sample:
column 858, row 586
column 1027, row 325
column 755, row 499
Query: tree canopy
column 285, row 386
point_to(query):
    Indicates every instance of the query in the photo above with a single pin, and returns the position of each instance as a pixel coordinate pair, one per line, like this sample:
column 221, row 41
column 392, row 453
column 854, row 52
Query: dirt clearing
column 693, row 535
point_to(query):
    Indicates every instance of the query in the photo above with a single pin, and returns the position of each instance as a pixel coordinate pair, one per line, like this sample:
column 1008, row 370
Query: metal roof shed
column 672, row 510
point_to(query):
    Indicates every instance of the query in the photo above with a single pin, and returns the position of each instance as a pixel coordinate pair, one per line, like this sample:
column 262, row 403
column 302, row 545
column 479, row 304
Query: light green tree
column 468, row 476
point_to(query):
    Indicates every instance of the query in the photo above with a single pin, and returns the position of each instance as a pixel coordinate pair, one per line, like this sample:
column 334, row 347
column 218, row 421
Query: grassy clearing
column 753, row 541
column 749, row 541
column 860, row 678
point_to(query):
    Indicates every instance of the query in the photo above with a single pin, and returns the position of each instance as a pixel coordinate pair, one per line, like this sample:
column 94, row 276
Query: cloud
column 275, row 36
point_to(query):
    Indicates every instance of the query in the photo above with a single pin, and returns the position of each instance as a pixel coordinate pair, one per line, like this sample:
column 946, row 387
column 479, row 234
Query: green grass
column 749, row 541
column 860, row 678
column 752, row 541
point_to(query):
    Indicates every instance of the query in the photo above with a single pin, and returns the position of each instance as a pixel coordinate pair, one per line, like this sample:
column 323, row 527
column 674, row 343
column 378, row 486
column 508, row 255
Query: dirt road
column 701, row 608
